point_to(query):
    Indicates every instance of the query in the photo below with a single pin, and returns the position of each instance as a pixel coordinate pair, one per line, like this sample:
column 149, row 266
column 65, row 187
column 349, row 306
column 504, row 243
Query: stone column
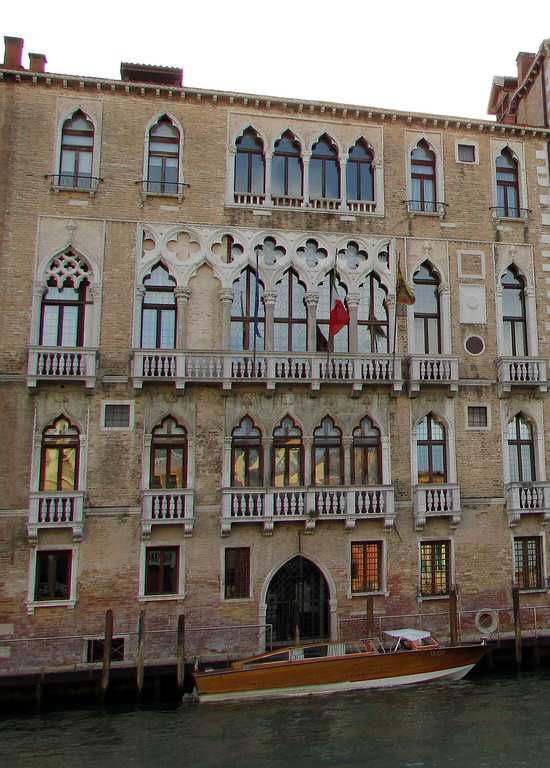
column 445, row 309
column 499, row 323
column 270, row 297
column 346, row 447
column 138, row 303
column 267, row 444
column 531, row 312
column 353, row 304
column 37, row 294
column 308, row 443
column 306, row 180
column 267, row 180
column 182, row 297
column 312, row 299
column 226, row 298
column 342, row 184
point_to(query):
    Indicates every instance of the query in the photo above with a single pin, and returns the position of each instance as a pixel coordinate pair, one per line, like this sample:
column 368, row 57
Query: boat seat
column 336, row 649
column 297, row 654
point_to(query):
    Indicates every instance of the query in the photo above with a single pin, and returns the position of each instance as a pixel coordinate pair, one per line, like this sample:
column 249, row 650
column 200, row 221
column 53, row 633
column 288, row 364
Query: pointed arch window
column 248, row 304
column 507, row 185
column 163, row 160
column 59, row 456
column 249, row 164
column 290, row 315
column 514, row 316
column 427, row 310
column 288, row 455
column 340, row 341
column 246, row 455
column 168, row 455
column 63, row 307
column 286, row 167
column 366, row 460
column 328, row 457
column 324, row 170
column 521, row 450
column 77, row 147
column 423, row 187
column 360, row 172
column 431, row 451
column 372, row 317
column 158, row 314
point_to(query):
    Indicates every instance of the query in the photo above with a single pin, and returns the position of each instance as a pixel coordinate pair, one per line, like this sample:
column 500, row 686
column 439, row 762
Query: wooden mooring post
column 453, row 616
column 517, row 623
column 370, row 616
column 107, row 653
column 140, row 659
column 180, row 654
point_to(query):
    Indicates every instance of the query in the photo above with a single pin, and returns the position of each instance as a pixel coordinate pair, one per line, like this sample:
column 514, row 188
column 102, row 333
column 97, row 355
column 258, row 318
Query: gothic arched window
column 59, row 456
column 249, row 164
column 372, row 317
column 423, row 187
column 340, row 341
column 247, row 304
column 290, row 315
column 360, row 172
column 324, row 170
column 427, row 313
column 288, row 455
column 246, row 455
column 64, row 302
column 164, row 157
column 328, row 457
column 507, row 185
column 77, row 148
column 431, row 450
column 168, row 455
column 366, row 459
column 158, row 314
column 514, row 316
column 286, row 167
column 521, row 450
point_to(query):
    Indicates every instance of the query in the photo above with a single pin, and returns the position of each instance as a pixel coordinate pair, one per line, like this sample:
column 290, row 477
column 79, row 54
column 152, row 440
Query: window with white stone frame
column 425, row 186
column 76, row 158
column 516, row 319
column 508, row 180
column 163, row 157
column 53, row 577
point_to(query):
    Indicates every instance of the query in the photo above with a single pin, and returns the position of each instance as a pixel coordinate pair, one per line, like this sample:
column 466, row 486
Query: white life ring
column 486, row 621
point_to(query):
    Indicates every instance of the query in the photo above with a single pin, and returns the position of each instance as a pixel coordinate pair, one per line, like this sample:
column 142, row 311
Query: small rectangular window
column 53, row 575
column 466, row 153
column 237, row 573
column 161, row 570
column 117, row 415
column 366, row 566
column 435, row 568
column 528, row 573
column 94, row 650
column 477, row 416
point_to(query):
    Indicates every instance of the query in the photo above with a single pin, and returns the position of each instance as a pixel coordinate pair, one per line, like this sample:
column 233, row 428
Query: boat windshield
column 322, row 650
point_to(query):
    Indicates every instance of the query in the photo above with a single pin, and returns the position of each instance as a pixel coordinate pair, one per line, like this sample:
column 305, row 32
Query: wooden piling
column 180, row 654
column 297, row 634
column 370, row 616
column 140, row 659
column 107, row 653
column 517, row 623
column 453, row 616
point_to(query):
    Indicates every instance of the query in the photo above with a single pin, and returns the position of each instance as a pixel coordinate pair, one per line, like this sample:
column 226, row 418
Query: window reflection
column 427, row 319
column 514, row 316
column 158, row 314
column 246, row 455
column 287, row 455
column 366, row 464
column 168, row 455
column 431, row 453
column 59, row 459
column 327, row 454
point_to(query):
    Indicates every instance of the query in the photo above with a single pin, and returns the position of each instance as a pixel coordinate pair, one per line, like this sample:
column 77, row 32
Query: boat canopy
column 408, row 634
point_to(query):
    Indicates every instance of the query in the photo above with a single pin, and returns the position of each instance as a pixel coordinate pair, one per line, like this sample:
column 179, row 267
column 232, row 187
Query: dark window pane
column 278, row 175
column 316, row 178
column 237, row 573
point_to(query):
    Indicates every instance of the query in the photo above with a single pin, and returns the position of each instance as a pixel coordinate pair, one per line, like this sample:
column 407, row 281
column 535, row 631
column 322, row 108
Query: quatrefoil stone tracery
column 312, row 253
column 353, row 256
column 271, row 251
column 68, row 266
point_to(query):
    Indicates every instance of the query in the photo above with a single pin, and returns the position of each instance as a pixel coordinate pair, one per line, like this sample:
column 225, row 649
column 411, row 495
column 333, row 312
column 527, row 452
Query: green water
column 483, row 723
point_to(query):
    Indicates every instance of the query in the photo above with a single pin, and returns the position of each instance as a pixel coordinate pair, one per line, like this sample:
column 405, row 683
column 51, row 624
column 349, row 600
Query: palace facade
column 176, row 435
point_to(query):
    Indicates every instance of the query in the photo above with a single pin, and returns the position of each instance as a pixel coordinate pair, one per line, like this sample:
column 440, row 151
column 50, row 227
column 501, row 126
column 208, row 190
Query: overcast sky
column 432, row 56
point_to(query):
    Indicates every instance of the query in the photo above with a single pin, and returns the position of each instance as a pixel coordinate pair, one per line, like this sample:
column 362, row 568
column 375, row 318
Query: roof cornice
column 329, row 110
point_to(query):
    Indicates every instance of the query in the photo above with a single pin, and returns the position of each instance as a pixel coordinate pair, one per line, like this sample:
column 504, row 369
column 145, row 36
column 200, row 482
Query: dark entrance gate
column 298, row 595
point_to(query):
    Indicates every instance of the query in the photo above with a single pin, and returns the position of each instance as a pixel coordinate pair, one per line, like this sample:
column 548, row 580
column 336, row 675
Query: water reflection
column 484, row 723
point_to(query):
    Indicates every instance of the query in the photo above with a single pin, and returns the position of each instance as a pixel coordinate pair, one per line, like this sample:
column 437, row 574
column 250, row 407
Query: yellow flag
column 403, row 293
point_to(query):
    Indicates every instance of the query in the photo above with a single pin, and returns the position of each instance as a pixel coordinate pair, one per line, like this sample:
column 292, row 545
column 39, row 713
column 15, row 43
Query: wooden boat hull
column 345, row 673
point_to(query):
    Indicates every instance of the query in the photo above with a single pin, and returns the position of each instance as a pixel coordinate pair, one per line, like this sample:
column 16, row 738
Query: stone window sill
column 159, row 598
column 32, row 605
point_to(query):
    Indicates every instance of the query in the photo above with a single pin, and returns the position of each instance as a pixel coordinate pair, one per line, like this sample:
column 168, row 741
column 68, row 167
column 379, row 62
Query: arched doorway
column 298, row 594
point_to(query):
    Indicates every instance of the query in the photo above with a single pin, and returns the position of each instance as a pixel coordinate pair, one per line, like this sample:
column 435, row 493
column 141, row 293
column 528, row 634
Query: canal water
column 479, row 723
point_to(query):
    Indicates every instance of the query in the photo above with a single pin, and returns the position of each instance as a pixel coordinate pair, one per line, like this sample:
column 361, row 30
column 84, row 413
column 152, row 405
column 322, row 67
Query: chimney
column 524, row 61
column 37, row 62
column 13, row 52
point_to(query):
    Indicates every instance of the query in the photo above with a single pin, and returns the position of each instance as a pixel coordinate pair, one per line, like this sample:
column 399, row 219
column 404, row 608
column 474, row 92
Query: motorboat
column 406, row 657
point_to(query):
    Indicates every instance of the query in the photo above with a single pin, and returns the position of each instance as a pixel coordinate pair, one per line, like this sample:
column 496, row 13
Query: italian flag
column 339, row 315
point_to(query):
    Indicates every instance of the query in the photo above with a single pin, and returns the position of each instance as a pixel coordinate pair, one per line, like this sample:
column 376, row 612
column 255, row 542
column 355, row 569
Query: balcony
column 527, row 499
column 510, row 213
column 61, row 364
column 436, row 501
column 433, row 370
column 59, row 509
column 307, row 506
column 167, row 507
column 228, row 368
column 525, row 372
column 425, row 207
column 69, row 182
column 159, row 188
